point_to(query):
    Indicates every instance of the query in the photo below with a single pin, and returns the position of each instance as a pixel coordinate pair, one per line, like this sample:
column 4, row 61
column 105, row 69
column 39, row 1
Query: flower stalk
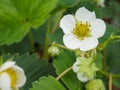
column 1, row 60
column 57, row 21
column 93, row 55
column 105, row 43
column 31, row 40
column 110, row 81
column 61, row 46
column 63, row 73
column 45, row 54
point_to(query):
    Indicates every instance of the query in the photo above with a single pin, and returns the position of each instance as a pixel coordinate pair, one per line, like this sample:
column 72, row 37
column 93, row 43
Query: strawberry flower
column 11, row 76
column 82, row 30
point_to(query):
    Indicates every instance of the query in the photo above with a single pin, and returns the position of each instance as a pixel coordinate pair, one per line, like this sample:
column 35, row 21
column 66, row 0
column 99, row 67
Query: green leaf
column 109, row 30
column 103, row 12
column 56, row 37
column 112, row 57
column 17, row 17
column 35, row 11
column 47, row 83
column 115, row 7
column 68, row 3
column 61, row 63
column 39, row 34
column 17, row 47
column 112, row 54
column 98, row 61
column 116, row 82
column 33, row 67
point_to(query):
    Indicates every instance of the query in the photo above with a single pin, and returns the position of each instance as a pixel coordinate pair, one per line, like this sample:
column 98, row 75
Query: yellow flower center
column 13, row 76
column 82, row 30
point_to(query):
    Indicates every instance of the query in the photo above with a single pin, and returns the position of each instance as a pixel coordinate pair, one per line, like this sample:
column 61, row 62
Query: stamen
column 82, row 30
column 13, row 77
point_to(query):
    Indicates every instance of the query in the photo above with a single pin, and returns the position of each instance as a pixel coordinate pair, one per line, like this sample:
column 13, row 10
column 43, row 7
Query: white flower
column 101, row 3
column 82, row 30
column 11, row 76
column 84, row 68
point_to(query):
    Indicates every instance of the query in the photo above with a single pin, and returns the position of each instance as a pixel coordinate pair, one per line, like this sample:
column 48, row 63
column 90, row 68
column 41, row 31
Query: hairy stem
column 57, row 21
column 116, row 76
column 63, row 73
column 93, row 55
column 1, row 61
column 110, row 81
column 45, row 54
column 61, row 46
column 31, row 40
column 105, row 43
column 104, row 73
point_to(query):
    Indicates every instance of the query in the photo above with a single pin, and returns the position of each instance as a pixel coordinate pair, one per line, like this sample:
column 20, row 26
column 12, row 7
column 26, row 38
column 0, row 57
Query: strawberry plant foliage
column 70, row 44
column 33, row 67
column 52, row 84
column 17, row 17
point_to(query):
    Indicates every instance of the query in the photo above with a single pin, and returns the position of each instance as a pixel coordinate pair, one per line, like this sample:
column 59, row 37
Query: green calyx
column 86, row 68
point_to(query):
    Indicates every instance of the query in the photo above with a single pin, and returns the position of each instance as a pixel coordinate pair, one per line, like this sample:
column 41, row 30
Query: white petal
column 67, row 23
column 88, row 43
column 82, row 78
column 21, row 78
column 75, row 66
column 7, row 65
column 5, row 82
column 98, row 28
column 71, row 41
column 83, row 14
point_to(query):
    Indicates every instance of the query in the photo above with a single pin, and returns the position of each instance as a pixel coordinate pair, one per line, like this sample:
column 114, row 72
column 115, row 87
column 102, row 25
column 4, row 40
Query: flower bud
column 95, row 84
column 53, row 51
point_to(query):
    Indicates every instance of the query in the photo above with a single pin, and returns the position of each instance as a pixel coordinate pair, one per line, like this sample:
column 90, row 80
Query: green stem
column 116, row 76
column 93, row 55
column 107, row 75
column 110, row 81
column 31, row 40
column 57, row 21
column 63, row 73
column 104, row 73
column 104, row 62
column 1, row 60
column 45, row 52
column 110, row 76
column 61, row 46
column 104, row 44
column 55, row 26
